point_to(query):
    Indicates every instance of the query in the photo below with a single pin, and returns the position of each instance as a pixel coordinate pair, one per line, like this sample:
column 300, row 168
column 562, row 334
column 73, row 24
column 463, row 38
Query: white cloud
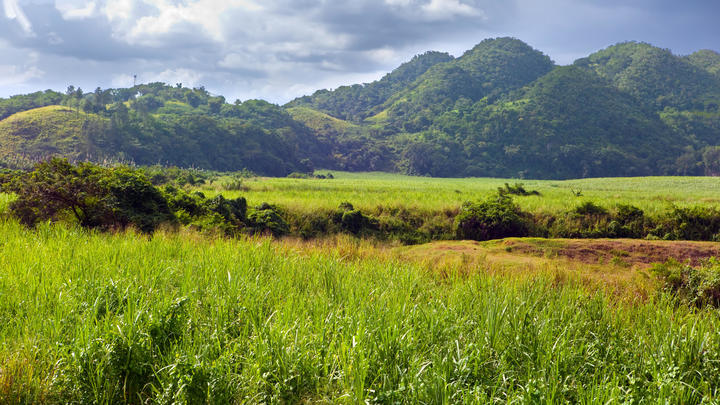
column 14, row 12
column 11, row 75
column 382, row 55
column 76, row 9
column 118, row 9
column 447, row 9
column 206, row 14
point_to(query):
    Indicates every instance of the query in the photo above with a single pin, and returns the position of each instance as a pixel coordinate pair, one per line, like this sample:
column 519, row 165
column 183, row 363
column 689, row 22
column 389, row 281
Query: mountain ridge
column 501, row 109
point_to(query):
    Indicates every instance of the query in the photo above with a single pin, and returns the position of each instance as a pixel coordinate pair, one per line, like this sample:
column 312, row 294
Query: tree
column 95, row 197
column 711, row 160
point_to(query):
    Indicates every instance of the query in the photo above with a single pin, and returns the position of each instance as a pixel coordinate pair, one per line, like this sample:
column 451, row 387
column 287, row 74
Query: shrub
column 628, row 222
column 266, row 218
column 691, row 223
column 233, row 211
column 517, row 189
column 135, row 201
column 95, row 197
column 296, row 175
column 588, row 208
column 495, row 218
column 697, row 286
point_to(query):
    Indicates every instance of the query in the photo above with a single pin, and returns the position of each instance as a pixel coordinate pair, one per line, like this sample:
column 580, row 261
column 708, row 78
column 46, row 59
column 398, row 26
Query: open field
column 182, row 318
column 186, row 316
column 369, row 190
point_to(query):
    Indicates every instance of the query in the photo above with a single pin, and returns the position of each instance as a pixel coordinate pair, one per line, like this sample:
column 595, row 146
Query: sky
column 281, row 49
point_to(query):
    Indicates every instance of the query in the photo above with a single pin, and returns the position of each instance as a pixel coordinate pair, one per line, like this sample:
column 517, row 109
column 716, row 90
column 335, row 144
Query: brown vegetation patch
column 632, row 252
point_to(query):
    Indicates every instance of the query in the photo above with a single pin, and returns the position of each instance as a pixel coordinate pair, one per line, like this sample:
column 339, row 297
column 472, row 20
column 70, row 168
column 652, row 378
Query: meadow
column 183, row 318
column 367, row 191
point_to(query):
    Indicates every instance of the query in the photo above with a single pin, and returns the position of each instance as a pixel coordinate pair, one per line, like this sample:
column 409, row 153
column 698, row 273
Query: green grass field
column 370, row 190
column 179, row 318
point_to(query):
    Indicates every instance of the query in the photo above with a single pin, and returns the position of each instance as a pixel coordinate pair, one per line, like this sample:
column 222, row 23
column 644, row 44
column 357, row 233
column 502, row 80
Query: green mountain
column 655, row 76
column 354, row 102
column 706, row 59
column 155, row 123
column 501, row 109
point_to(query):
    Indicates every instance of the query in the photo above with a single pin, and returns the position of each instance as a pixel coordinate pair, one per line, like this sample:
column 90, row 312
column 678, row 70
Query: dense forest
column 501, row 109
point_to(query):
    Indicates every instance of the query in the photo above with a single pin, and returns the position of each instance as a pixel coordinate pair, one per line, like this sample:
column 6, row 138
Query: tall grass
column 367, row 191
column 179, row 318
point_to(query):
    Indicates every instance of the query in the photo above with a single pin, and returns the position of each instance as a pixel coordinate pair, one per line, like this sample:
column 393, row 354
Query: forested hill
column 501, row 109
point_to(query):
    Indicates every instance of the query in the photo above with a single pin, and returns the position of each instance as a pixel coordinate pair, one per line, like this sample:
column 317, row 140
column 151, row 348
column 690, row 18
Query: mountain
column 155, row 123
column 706, row 59
column 655, row 76
column 353, row 102
column 501, row 109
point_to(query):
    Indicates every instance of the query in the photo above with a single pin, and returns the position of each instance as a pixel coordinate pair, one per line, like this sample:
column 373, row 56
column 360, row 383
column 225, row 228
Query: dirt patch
column 631, row 252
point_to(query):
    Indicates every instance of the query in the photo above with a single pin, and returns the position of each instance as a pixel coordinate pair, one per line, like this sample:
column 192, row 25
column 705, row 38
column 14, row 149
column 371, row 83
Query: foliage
column 689, row 223
column 698, row 286
column 266, row 218
column 94, row 196
column 495, row 218
column 516, row 189
column 588, row 208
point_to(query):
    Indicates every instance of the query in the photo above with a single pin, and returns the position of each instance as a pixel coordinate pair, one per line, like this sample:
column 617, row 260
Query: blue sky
column 281, row 49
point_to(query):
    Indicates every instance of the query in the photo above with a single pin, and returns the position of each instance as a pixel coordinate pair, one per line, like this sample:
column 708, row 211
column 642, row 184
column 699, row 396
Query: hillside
column 156, row 123
column 501, row 109
column 504, row 109
column 54, row 130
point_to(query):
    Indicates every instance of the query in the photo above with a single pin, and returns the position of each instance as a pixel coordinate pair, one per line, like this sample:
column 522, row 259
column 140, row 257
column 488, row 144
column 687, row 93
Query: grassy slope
column 320, row 121
column 114, row 318
column 370, row 190
column 48, row 130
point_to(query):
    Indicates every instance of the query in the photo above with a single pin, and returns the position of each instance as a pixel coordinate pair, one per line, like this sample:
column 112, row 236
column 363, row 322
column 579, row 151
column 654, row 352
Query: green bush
column 628, row 222
column 690, row 223
column 135, row 201
column 588, row 208
column 233, row 211
column 517, row 189
column 495, row 218
column 94, row 196
column 265, row 218
column 697, row 286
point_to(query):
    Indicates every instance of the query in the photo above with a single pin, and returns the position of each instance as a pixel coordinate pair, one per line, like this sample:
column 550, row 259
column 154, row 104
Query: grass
column 368, row 191
column 181, row 318
column 51, row 130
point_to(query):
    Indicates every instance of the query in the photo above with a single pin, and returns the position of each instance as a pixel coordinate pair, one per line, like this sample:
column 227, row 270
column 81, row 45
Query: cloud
column 15, row 75
column 14, row 12
column 447, row 9
column 76, row 10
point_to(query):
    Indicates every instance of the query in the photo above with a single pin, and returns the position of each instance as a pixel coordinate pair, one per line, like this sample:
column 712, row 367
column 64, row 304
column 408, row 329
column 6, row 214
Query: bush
column 266, row 218
column 233, row 211
column 517, row 189
column 495, row 218
column 691, row 223
column 628, row 222
column 588, row 208
column 135, row 200
column 698, row 286
column 95, row 197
